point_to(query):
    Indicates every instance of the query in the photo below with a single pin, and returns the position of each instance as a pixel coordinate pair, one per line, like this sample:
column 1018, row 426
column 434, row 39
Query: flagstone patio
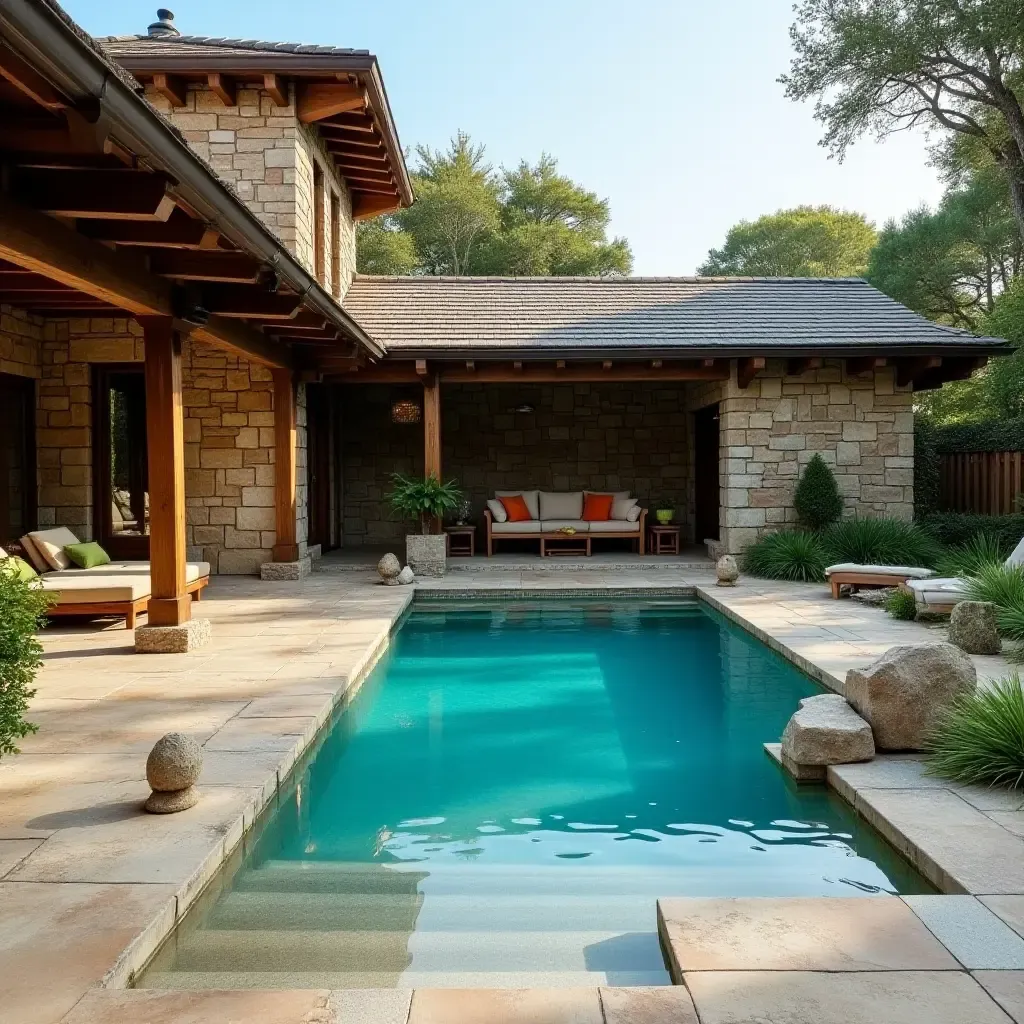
column 89, row 885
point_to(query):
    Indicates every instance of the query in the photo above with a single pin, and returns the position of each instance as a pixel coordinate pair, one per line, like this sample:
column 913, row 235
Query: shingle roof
column 423, row 314
column 123, row 46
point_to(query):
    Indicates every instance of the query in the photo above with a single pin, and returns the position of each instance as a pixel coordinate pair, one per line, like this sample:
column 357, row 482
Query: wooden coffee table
column 564, row 544
column 461, row 540
column 664, row 540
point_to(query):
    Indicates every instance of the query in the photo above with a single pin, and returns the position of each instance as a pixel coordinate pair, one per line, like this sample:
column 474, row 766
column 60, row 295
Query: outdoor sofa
column 115, row 588
column 940, row 594
column 554, row 513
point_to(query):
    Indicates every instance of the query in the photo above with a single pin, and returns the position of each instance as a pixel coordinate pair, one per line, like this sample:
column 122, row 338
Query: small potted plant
column 664, row 513
column 426, row 500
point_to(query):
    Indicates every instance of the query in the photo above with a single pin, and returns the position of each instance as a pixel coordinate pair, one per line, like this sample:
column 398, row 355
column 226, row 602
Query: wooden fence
column 983, row 482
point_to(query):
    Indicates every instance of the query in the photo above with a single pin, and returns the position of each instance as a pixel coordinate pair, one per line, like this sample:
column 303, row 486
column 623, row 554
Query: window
column 335, row 245
column 17, row 457
column 319, row 255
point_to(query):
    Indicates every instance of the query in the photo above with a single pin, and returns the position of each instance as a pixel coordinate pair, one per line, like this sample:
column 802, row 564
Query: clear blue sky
column 669, row 108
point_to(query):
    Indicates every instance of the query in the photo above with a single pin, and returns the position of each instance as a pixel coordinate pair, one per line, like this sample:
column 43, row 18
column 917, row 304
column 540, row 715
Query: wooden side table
column 460, row 540
column 664, row 540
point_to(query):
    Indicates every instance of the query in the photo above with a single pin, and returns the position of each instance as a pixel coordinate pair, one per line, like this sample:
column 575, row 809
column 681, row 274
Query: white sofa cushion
column 614, row 526
column 530, row 497
column 561, row 505
column 621, row 507
column 498, row 513
column 529, row 526
column 554, row 525
column 33, row 555
column 914, row 572
column 51, row 543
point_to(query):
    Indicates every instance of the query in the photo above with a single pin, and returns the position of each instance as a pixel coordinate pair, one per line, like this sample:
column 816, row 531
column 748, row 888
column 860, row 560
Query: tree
column 808, row 241
column 817, row 499
column 882, row 66
column 467, row 219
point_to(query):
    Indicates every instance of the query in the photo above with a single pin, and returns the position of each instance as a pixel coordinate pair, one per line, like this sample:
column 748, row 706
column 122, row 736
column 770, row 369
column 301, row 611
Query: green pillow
column 87, row 555
column 22, row 569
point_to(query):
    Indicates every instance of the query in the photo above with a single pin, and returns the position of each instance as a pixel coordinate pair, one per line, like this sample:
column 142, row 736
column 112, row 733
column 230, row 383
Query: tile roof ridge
column 261, row 45
column 612, row 279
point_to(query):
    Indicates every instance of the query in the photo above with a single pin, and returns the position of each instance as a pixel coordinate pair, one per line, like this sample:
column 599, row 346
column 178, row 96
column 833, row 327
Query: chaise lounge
column 564, row 522
column 940, row 594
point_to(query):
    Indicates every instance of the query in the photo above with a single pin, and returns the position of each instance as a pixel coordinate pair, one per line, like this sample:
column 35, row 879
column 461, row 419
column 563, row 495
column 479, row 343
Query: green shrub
column 954, row 528
column 980, row 739
column 1004, row 587
column 22, row 605
column 880, row 542
column 786, row 555
column 927, row 485
column 426, row 500
column 901, row 604
column 817, row 498
column 970, row 558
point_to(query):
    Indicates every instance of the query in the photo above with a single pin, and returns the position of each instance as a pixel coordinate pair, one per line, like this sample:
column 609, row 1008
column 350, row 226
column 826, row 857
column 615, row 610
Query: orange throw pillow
column 515, row 506
column 597, row 508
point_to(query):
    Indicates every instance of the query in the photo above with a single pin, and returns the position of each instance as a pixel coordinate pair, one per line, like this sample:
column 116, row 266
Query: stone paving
column 89, row 885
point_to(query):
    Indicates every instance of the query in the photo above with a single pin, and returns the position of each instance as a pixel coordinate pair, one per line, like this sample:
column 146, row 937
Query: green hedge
column 959, row 527
column 992, row 436
column 926, row 470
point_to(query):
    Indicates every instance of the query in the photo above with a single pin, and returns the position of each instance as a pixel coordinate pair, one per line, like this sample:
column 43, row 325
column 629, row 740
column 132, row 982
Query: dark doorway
column 17, row 457
column 120, row 463
column 319, row 459
column 705, row 443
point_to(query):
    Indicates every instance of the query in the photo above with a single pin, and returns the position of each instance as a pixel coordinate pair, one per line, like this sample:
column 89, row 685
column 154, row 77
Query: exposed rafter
column 320, row 100
column 748, row 369
column 118, row 194
column 196, row 265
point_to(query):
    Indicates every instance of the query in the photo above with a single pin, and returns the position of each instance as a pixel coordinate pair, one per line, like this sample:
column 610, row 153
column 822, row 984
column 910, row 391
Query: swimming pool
column 508, row 794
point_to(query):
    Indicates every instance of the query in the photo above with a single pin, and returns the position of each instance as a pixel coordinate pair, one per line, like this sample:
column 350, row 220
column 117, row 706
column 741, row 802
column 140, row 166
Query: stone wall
column 268, row 157
column 21, row 336
column 602, row 437
column 862, row 426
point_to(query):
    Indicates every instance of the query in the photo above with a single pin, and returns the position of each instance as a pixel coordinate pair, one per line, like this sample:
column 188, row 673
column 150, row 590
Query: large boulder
column 826, row 730
column 904, row 693
column 972, row 627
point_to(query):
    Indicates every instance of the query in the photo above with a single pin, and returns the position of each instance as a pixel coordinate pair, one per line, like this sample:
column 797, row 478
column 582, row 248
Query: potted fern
column 427, row 501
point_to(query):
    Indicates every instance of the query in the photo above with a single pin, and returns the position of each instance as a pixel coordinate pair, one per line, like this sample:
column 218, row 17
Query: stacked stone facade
column 21, row 335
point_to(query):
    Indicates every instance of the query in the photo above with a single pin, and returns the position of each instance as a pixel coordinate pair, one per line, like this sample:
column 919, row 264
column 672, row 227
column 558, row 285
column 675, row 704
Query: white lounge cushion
column 105, row 590
column 1016, row 555
column 530, row 497
column 523, row 528
column 561, row 504
column 943, row 584
column 498, row 513
column 33, row 555
column 554, row 525
column 614, row 526
column 50, row 545
column 914, row 572
column 193, row 570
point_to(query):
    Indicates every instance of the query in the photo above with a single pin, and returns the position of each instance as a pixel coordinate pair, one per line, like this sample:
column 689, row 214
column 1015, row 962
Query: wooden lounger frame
column 868, row 579
column 129, row 609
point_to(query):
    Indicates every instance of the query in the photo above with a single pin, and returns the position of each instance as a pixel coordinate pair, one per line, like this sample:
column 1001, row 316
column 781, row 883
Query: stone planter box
column 426, row 553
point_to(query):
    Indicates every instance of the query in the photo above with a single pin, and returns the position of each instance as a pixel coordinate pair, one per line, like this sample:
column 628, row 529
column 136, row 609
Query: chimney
column 164, row 25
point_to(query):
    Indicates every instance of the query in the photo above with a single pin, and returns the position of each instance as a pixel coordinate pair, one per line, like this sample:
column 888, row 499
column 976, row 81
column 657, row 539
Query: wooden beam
column 319, row 100
column 170, row 604
column 171, row 87
column 179, row 231
column 223, row 267
column 908, row 369
column 795, row 367
column 560, row 364
column 361, row 160
column 365, row 204
column 277, row 89
column 421, row 367
column 345, row 140
column 28, row 81
column 707, row 362
column 865, row 364
column 502, row 373
column 431, row 426
column 748, row 369
column 224, row 88
column 951, row 369
column 43, row 245
column 285, row 474
column 353, row 122
column 244, row 341
column 383, row 179
column 114, row 194
column 231, row 300
column 606, row 365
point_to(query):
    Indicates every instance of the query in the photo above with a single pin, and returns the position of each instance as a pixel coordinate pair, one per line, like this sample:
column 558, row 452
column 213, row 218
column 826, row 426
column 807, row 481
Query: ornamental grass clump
column 817, row 499
column 901, row 604
column 1004, row 587
column 22, row 607
column 786, row 555
column 880, row 542
column 980, row 739
column 968, row 559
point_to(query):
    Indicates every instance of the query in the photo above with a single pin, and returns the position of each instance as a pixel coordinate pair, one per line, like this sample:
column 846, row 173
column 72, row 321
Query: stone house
column 217, row 183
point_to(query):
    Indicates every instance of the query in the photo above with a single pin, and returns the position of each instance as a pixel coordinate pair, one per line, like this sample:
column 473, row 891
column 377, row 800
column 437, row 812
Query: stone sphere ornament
column 727, row 571
column 406, row 576
column 388, row 569
column 172, row 770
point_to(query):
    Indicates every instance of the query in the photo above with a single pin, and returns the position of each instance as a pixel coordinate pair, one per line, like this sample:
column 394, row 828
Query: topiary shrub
column 22, row 606
column 901, row 604
column 880, row 542
column 786, row 555
column 817, row 499
column 980, row 739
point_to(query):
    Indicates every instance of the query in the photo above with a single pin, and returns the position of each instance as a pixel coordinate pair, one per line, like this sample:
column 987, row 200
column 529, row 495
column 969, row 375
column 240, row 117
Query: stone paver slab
column 370, row 1005
column 57, row 940
column 668, row 1004
column 970, row 931
column 505, row 1006
column 1007, row 989
column 262, row 734
column 14, row 851
column 1009, row 909
column 889, row 997
column 798, row 934
column 142, row 1006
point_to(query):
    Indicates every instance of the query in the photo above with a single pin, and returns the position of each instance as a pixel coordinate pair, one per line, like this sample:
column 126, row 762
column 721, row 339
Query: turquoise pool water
column 508, row 794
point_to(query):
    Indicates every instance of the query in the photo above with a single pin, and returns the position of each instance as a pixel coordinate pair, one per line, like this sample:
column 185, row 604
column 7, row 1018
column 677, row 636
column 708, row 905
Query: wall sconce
column 525, row 408
column 405, row 411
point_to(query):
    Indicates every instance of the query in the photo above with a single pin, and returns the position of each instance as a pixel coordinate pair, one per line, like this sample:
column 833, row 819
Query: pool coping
column 141, row 950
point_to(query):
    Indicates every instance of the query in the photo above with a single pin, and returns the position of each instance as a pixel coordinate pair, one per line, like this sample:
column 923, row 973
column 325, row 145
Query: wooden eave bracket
column 748, row 369
column 171, row 87
column 318, row 101
column 277, row 89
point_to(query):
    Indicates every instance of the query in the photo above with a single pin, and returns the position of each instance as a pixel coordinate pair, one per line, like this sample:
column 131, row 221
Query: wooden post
column 286, row 548
column 169, row 604
column 431, row 426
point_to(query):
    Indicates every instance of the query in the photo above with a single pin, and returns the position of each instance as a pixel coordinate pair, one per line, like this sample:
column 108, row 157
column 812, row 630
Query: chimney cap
column 164, row 25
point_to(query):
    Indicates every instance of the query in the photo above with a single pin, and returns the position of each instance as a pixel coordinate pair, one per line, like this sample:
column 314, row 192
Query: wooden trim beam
column 366, row 204
column 359, row 161
column 421, row 367
column 223, row 87
column 244, row 341
column 276, row 88
column 232, row 300
column 431, row 426
column 501, row 373
column 865, row 364
column 171, row 87
column 352, row 122
column 195, row 265
column 319, row 100
column 908, row 369
column 286, row 547
column 748, row 369
column 115, row 194
column 28, row 81
column 170, row 603
column 179, row 231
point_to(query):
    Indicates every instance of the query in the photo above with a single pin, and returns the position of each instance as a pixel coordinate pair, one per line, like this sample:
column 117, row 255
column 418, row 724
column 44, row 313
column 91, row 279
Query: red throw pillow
column 515, row 506
column 597, row 508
